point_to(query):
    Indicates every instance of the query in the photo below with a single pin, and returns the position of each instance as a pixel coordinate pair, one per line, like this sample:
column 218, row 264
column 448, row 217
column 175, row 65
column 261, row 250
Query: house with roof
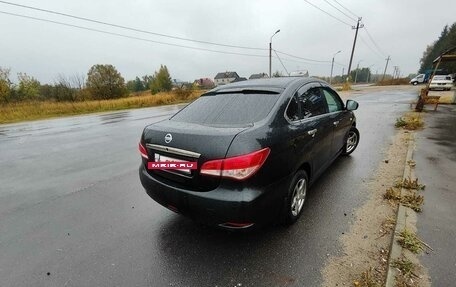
column 240, row 79
column 225, row 78
column 258, row 76
column 204, row 83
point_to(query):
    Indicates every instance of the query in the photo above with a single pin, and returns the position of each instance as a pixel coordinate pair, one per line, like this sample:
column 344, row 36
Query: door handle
column 336, row 123
column 312, row 132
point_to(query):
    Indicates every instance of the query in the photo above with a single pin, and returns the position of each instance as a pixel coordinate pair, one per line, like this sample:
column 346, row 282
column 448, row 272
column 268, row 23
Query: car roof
column 272, row 84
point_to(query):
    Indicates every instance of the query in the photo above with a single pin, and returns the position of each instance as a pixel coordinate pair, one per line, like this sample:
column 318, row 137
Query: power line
column 370, row 48
column 130, row 28
column 281, row 62
column 332, row 5
column 301, row 62
column 130, row 37
column 375, row 43
column 346, row 9
column 338, row 19
column 302, row 58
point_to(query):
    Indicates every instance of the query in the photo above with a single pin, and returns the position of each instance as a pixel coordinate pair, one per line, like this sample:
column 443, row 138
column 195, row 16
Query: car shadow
column 197, row 255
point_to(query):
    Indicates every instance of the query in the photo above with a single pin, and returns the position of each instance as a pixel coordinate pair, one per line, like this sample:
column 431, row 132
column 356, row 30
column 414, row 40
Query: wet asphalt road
column 73, row 212
column 435, row 157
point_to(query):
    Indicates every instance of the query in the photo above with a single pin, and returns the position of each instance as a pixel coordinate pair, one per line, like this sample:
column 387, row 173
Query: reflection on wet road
column 71, row 204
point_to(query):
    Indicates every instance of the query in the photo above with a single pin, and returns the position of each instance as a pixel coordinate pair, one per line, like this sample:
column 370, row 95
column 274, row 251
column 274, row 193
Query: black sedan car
column 245, row 154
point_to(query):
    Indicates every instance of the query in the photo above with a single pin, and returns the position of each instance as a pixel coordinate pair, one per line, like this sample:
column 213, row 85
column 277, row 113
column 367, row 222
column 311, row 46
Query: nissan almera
column 245, row 154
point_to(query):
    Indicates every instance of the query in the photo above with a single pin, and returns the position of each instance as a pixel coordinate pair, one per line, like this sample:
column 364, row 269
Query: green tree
column 362, row 75
column 161, row 81
column 28, row 88
column 135, row 85
column 5, row 85
column 446, row 40
column 105, row 82
column 147, row 80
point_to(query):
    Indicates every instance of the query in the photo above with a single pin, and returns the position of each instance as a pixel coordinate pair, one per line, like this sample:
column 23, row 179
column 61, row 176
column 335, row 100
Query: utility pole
column 270, row 53
column 354, row 44
column 332, row 66
column 343, row 70
column 386, row 66
column 395, row 72
column 357, row 69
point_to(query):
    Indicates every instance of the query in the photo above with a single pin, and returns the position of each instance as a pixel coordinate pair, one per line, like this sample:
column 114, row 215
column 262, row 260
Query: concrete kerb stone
column 401, row 217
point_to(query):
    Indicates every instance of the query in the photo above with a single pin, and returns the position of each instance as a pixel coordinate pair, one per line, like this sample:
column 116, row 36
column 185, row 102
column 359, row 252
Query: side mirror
column 351, row 105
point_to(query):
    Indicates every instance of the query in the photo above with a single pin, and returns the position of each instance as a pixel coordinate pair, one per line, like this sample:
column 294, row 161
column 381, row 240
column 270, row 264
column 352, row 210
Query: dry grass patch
column 411, row 121
column 413, row 201
column 24, row 111
column 408, row 183
column 392, row 194
column 407, row 273
column 367, row 280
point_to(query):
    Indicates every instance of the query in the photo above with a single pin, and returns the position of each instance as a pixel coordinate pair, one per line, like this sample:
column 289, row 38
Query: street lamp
column 332, row 66
column 270, row 52
column 357, row 68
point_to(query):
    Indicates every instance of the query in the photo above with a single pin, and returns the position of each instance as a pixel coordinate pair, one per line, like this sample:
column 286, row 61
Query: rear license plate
column 169, row 163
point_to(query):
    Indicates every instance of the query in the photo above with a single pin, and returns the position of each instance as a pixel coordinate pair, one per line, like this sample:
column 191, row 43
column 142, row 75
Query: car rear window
column 439, row 78
column 230, row 109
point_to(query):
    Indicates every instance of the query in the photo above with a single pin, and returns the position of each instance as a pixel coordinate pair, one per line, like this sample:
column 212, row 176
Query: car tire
column 296, row 198
column 415, row 83
column 351, row 141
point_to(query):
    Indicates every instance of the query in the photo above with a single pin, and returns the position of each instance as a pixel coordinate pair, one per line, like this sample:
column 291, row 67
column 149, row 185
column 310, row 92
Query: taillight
column 238, row 167
column 143, row 151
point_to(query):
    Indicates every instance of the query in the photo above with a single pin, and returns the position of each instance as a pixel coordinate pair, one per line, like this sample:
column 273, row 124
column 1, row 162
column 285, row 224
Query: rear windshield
column 439, row 78
column 234, row 109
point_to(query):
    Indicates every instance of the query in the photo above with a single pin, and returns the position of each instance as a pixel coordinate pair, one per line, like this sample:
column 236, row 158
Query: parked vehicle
column 257, row 145
column 441, row 82
column 420, row 79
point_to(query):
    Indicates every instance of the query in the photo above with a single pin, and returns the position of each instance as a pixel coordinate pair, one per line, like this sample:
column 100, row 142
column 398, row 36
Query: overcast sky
column 401, row 29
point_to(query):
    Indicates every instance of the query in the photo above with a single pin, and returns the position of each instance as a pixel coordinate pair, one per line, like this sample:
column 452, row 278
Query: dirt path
column 366, row 245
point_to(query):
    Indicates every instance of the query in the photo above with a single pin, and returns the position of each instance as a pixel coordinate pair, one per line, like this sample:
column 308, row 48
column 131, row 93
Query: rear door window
column 311, row 102
column 231, row 109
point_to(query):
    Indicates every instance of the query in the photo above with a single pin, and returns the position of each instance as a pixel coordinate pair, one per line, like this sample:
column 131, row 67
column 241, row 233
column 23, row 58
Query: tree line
column 446, row 41
column 101, row 83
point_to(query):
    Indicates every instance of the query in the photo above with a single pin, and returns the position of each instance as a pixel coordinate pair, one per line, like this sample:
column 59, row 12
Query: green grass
column 409, row 240
column 26, row 111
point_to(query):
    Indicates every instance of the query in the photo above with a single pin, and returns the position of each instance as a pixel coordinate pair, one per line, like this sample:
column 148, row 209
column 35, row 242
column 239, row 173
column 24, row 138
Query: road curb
column 401, row 217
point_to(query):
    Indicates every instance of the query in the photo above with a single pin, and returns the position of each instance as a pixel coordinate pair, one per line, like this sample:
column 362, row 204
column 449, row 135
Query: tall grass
column 23, row 111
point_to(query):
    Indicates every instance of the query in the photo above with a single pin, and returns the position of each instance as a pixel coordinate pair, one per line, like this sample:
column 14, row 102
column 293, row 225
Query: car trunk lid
column 179, row 141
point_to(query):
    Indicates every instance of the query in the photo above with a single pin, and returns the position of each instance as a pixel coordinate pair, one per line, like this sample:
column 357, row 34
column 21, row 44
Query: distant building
column 303, row 73
column 225, row 78
column 204, row 83
column 178, row 83
column 258, row 76
column 240, row 79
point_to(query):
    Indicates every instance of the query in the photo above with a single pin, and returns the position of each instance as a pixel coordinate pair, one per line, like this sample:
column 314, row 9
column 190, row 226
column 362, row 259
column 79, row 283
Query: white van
column 418, row 79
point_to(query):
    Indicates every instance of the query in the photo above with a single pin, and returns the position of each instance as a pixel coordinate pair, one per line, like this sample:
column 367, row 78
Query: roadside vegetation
column 33, row 110
column 104, row 89
column 411, row 121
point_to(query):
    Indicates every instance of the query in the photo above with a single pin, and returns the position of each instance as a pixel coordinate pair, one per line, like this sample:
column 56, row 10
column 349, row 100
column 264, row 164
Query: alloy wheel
column 299, row 196
column 352, row 141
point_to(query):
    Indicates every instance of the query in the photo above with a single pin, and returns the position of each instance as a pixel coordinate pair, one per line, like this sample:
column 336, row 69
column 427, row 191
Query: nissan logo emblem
column 168, row 138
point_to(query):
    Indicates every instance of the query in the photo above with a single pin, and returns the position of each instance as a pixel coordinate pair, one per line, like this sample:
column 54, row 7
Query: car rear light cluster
column 143, row 151
column 238, row 167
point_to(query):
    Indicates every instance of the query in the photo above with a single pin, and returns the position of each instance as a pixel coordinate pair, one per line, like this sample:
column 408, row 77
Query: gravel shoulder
column 366, row 245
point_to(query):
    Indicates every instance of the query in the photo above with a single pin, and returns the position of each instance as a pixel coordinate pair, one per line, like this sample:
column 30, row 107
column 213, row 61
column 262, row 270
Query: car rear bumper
column 228, row 203
column 441, row 86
